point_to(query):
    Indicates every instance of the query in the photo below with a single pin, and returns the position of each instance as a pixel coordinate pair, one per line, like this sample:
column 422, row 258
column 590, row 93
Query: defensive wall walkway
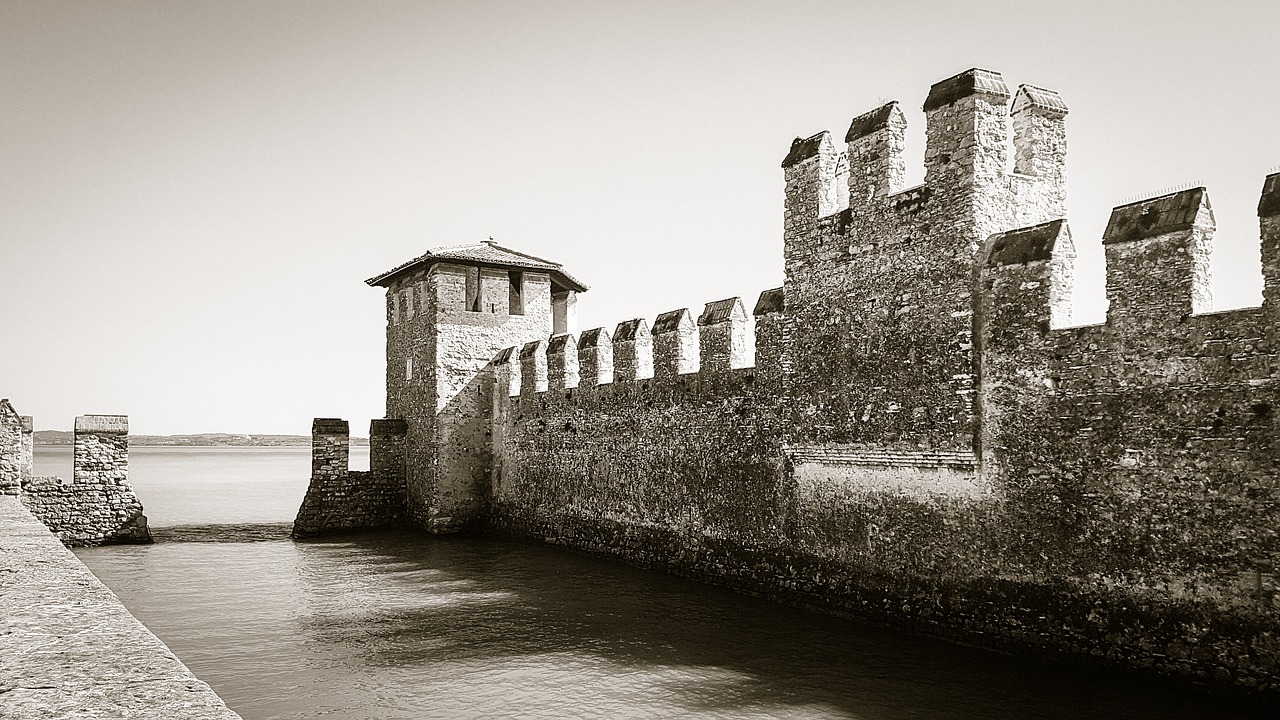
column 69, row 648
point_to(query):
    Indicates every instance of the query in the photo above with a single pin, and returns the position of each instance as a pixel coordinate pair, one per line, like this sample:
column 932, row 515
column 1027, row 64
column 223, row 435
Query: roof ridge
column 493, row 244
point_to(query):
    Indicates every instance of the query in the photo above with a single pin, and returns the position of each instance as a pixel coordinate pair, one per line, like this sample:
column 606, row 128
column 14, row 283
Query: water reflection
column 398, row 625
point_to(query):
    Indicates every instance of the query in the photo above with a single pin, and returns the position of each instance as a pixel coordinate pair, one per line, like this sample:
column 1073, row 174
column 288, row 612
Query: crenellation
column 595, row 358
column 562, row 362
column 675, row 345
column 921, row 421
column 1039, row 133
column 342, row 500
column 11, row 460
column 1269, row 227
column 966, row 127
column 632, row 351
column 815, row 187
column 877, row 168
column 725, row 338
column 26, row 467
column 533, row 368
column 96, row 506
column 1158, row 261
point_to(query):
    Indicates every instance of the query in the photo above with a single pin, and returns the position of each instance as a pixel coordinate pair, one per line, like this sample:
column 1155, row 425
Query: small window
column 408, row 368
column 394, row 308
column 473, row 289
column 516, row 279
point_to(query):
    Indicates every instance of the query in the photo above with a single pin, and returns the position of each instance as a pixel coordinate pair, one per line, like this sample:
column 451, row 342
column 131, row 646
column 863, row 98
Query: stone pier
column 69, row 649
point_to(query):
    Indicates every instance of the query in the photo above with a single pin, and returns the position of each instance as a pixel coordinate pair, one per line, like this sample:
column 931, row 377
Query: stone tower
column 448, row 313
column 879, row 278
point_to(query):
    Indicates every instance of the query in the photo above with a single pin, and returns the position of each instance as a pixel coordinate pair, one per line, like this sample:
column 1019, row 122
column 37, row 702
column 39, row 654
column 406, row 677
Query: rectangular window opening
column 408, row 368
column 516, row 279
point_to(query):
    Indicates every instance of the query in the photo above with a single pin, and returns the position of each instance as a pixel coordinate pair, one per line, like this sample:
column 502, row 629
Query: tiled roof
column 878, row 119
column 970, row 82
column 1046, row 100
column 719, row 311
column 669, row 321
column 1157, row 216
column 803, row 149
column 629, row 329
column 1269, row 204
column 487, row 253
column 1025, row 244
column 770, row 302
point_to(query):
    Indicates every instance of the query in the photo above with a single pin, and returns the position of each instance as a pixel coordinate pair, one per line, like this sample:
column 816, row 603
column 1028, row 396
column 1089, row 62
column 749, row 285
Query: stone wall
column 69, row 649
column 98, row 506
column 343, row 500
column 11, row 449
column 921, row 440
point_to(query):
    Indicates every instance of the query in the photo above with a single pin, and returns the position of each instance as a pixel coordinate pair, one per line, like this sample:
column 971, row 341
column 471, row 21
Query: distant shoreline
column 64, row 437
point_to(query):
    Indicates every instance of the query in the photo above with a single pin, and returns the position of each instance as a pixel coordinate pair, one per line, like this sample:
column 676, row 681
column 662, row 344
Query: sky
column 192, row 193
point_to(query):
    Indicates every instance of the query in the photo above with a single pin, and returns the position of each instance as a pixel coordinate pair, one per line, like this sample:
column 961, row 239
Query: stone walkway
column 69, row 649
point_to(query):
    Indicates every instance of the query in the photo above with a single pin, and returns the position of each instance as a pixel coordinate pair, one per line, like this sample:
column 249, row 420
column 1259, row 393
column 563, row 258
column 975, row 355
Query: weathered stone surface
column 341, row 500
column 69, row 649
column 923, row 440
column 98, row 506
column 11, row 444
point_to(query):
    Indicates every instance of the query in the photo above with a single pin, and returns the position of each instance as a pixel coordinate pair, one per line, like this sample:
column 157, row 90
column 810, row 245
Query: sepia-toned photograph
column 623, row 359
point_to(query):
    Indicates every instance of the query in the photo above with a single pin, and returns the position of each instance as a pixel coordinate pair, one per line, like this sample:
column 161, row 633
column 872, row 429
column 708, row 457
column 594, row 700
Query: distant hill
column 62, row 437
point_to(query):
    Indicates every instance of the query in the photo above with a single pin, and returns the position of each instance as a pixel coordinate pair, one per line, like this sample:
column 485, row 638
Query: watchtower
column 449, row 312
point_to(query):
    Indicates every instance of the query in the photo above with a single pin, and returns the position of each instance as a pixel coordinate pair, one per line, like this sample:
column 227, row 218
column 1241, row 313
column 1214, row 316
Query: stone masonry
column 69, row 649
column 342, row 500
column 97, row 506
column 908, row 430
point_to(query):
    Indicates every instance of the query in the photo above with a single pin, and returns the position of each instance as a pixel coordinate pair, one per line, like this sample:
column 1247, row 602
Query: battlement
column 968, row 119
column 1158, row 253
column 720, row 342
column 96, row 505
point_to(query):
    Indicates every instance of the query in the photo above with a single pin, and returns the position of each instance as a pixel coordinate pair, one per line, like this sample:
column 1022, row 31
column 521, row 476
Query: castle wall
column 883, row 288
column 98, row 506
column 921, row 440
column 341, row 500
column 907, row 430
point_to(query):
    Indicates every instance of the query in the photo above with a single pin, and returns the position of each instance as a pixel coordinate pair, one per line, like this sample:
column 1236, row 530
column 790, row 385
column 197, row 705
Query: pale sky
column 192, row 193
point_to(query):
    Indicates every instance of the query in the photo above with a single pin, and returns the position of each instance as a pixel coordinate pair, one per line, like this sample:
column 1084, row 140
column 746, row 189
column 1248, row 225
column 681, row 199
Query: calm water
column 394, row 625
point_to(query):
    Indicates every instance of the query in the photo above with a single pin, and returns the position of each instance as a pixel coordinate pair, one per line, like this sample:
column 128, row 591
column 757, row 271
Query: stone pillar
column 10, row 449
column 101, row 453
column 1158, row 261
column 595, row 358
column 1269, row 223
column 771, row 339
column 564, row 312
column 330, row 448
column 875, row 144
column 562, row 363
column 675, row 345
column 533, row 368
column 723, row 337
column 28, row 466
column 966, row 130
column 632, row 351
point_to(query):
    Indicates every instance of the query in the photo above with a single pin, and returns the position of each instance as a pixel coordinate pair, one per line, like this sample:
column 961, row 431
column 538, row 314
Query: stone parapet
column 69, row 649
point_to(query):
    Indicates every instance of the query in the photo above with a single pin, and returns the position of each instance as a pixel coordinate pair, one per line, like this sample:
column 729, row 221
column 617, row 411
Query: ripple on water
column 398, row 625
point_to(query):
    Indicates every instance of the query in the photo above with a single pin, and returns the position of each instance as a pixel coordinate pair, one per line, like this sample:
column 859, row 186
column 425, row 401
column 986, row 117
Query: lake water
column 398, row 625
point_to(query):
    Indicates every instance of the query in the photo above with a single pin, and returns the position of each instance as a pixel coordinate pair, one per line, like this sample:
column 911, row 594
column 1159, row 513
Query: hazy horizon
column 195, row 193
